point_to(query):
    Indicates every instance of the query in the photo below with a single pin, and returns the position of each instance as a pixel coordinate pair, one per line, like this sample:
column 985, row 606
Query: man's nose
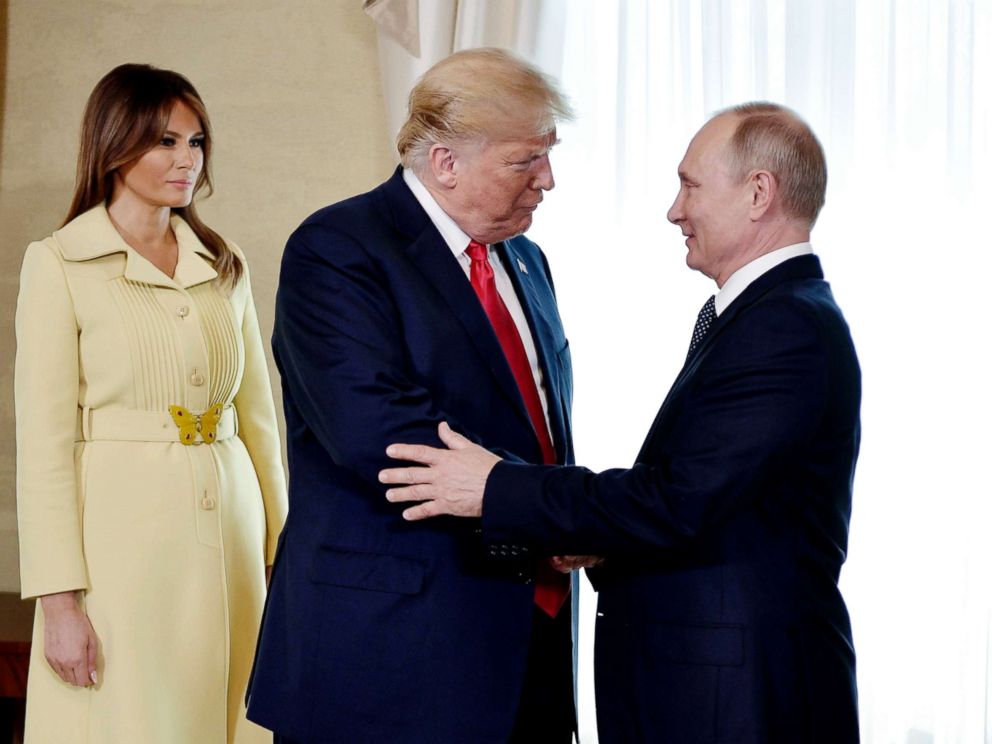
column 675, row 215
column 544, row 179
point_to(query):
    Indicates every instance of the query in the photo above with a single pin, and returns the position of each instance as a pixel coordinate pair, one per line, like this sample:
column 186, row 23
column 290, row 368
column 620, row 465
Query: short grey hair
column 771, row 137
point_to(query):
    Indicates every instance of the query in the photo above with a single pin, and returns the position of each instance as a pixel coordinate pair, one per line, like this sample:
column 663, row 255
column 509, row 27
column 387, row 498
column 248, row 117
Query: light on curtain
column 416, row 34
column 900, row 94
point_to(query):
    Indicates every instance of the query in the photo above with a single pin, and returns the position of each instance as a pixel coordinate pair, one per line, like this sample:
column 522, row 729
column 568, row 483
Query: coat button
column 196, row 378
column 207, row 503
column 182, row 311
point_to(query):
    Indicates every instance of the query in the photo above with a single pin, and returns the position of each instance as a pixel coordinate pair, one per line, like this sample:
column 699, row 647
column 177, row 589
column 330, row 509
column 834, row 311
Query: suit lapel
column 433, row 259
column 801, row 267
column 534, row 299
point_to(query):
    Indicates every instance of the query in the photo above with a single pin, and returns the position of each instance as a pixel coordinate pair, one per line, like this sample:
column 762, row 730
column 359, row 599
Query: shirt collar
column 747, row 273
column 453, row 235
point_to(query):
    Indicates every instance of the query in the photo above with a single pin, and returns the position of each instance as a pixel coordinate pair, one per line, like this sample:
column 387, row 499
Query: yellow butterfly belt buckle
column 190, row 424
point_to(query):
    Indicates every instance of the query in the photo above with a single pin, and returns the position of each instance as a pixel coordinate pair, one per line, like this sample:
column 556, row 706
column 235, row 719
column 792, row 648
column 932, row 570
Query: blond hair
column 477, row 95
column 772, row 137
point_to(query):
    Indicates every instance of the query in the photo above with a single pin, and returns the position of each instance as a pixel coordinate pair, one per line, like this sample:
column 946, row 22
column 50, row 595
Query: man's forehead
column 709, row 141
column 524, row 139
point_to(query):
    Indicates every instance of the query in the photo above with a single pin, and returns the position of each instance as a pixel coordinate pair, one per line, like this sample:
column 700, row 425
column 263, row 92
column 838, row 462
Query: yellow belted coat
column 168, row 542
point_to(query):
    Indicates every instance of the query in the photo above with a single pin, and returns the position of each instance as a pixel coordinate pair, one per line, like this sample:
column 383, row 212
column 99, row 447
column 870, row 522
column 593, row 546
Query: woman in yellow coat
column 150, row 488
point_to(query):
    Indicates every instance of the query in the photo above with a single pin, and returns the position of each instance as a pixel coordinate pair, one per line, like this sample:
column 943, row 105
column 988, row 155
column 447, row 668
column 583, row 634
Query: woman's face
column 165, row 175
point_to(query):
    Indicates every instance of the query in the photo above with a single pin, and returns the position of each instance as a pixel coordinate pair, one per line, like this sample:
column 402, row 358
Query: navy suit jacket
column 720, row 619
column 377, row 629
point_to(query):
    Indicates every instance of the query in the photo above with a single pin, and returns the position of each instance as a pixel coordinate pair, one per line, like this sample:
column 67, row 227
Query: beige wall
column 294, row 97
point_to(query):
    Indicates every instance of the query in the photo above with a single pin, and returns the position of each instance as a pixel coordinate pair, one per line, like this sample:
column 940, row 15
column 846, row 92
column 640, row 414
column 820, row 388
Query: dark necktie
column 552, row 586
column 703, row 321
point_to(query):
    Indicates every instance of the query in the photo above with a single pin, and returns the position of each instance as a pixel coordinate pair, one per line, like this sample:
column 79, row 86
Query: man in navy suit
column 719, row 616
column 416, row 303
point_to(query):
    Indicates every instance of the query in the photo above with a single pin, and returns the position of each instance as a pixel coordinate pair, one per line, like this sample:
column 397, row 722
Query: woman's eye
column 196, row 142
column 167, row 141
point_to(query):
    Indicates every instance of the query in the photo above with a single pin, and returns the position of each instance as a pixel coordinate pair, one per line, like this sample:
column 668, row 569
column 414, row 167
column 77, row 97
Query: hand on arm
column 70, row 643
column 453, row 482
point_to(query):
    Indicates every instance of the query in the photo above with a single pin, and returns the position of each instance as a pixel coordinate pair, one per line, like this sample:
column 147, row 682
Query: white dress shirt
column 747, row 273
column 457, row 242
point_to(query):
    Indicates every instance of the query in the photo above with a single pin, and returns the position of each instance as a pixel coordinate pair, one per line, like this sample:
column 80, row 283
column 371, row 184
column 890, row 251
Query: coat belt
column 118, row 425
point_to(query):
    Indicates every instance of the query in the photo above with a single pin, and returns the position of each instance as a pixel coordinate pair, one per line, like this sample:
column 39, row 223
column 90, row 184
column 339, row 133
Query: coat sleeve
column 340, row 348
column 257, row 424
column 46, row 399
column 758, row 399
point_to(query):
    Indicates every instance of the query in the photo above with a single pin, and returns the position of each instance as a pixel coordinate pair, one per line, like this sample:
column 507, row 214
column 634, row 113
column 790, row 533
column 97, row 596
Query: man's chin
column 511, row 231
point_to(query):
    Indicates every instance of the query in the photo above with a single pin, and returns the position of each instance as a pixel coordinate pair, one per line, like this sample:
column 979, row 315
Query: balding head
column 773, row 138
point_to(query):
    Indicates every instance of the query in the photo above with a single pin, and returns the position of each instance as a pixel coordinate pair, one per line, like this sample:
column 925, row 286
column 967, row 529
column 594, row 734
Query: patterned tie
column 703, row 321
column 552, row 587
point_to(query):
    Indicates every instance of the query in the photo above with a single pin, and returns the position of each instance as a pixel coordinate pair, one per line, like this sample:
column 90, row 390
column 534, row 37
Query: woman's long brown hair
column 127, row 115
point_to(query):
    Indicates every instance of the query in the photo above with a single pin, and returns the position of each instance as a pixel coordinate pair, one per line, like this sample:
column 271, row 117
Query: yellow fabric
column 167, row 541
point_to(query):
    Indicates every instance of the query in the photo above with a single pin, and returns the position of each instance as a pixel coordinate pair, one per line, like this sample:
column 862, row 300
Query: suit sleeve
column 46, row 396
column 340, row 349
column 257, row 424
column 757, row 398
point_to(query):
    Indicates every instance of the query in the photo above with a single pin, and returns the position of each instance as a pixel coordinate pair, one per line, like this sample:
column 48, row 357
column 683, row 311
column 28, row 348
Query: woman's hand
column 70, row 643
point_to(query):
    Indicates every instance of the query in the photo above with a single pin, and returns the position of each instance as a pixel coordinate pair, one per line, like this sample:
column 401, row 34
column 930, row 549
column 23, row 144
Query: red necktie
column 552, row 586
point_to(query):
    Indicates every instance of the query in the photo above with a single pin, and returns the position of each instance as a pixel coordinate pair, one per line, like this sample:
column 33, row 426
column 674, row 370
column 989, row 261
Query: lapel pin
column 522, row 266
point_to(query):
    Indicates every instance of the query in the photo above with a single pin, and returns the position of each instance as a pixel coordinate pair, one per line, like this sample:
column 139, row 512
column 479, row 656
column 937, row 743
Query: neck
column 141, row 225
column 766, row 241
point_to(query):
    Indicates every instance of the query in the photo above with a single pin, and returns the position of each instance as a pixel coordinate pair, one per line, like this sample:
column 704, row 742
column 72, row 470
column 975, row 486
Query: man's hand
column 569, row 563
column 452, row 483
column 70, row 643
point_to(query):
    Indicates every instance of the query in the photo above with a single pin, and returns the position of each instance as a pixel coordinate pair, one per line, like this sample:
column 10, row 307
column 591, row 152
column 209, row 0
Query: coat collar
column 801, row 267
column 794, row 269
column 92, row 235
column 432, row 257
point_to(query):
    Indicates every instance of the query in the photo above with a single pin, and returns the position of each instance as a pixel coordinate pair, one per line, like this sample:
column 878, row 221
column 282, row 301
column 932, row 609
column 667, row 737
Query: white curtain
column 900, row 94
column 415, row 34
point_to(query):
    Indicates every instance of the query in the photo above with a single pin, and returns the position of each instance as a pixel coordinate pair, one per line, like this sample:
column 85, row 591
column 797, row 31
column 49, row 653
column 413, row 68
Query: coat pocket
column 370, row 571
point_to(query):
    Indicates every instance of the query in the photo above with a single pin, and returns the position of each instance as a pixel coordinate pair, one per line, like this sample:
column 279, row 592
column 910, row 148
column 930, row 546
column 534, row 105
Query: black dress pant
column 547, row 708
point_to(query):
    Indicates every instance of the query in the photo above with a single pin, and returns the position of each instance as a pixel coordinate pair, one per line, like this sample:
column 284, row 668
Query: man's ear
column 763, row 192
column 442, row 162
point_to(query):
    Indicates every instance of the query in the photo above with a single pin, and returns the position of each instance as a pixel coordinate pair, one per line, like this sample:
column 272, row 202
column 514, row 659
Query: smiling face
column 165, row 175
column 496, row 186
column 712, row 207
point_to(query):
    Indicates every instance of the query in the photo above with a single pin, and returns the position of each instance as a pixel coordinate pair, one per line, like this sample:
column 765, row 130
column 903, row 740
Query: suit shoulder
column 346, row 226
column 341, row 212
column 796, row 313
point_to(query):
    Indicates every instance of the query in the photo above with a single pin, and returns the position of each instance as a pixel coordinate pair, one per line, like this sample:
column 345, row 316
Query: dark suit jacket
column 720, row 619
column 377, row 629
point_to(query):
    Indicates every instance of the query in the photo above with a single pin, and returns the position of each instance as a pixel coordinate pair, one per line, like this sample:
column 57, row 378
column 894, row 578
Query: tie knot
column 477, row 251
